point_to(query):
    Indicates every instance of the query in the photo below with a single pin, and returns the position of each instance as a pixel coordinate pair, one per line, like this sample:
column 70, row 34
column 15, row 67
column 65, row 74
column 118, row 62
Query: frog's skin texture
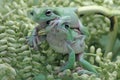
column 64, row 33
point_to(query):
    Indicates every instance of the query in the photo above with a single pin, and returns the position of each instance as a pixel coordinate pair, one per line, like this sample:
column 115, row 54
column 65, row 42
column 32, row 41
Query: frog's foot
column 60, row 21
column 54, row 23
column 33, row 41
column 80, row 72
column 64, row 67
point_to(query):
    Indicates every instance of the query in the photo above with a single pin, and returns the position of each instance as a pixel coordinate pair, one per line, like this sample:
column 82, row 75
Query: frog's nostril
column 47, row 22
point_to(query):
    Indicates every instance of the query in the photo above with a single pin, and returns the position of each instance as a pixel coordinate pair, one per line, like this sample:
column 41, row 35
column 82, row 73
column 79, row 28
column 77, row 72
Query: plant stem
column 97, row 10
column 112, row 36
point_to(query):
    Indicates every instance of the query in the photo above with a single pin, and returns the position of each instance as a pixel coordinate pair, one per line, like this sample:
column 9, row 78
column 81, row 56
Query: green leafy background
column 20, row 62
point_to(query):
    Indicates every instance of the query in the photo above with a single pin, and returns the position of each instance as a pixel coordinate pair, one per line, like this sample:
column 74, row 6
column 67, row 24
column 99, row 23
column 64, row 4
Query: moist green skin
column 60, row 25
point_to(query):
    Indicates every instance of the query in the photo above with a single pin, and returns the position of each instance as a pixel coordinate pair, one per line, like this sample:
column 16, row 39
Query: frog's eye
column 48, row 13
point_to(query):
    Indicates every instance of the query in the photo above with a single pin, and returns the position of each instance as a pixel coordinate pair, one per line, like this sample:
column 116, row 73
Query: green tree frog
column 64, row 33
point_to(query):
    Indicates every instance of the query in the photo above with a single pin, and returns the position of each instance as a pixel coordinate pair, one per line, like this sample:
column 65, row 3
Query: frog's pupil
column 31, row 13
column 66, row 26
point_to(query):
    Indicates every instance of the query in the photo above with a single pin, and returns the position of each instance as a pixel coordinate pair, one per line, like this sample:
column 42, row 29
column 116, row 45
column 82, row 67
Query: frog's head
column 40, row 15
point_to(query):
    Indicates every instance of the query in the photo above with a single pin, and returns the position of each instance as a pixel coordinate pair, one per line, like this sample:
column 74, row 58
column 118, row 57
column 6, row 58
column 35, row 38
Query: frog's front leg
column 60, row 21
column 71, row 59
column 34, row 39
column 86, row 65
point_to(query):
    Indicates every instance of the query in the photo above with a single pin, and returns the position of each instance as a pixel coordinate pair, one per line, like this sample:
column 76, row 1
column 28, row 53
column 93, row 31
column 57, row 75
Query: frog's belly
column 60, row 45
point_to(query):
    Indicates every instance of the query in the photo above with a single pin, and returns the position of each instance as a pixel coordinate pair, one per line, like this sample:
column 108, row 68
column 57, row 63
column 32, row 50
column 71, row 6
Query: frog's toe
column 80, row 72
column 32, row 41
column 54, row 23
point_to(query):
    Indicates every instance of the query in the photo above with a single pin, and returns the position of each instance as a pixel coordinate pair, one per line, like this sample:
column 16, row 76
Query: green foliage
column 23, row 63
column 7, row 72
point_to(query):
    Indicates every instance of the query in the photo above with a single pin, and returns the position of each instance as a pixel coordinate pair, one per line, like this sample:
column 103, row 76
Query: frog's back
column 68, row 11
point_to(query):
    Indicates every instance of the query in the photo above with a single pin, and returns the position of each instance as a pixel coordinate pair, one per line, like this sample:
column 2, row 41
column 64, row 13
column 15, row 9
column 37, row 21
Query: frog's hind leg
column 86, row 65
column 71, row 59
